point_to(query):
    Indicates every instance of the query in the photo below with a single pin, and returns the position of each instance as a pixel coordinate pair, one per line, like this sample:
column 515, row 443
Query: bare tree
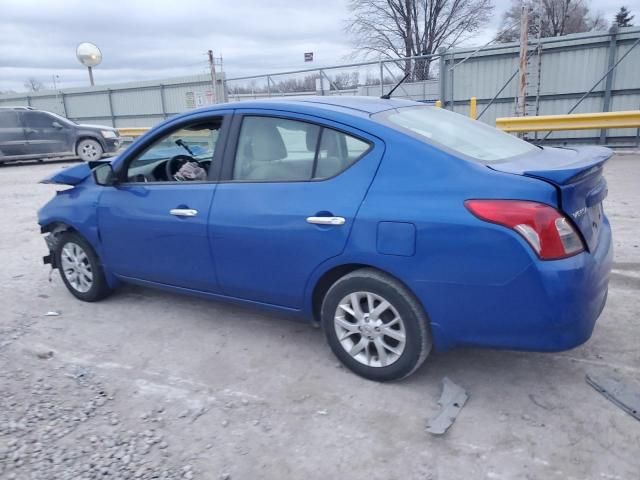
column 33, row 84
column 403, row 28
column 550, row 18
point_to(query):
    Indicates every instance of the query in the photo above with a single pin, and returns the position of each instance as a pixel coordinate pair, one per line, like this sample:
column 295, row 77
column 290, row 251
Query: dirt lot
column 152, row 385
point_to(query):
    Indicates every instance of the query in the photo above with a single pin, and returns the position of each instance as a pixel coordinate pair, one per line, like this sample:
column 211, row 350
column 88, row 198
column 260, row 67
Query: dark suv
column 26, row 133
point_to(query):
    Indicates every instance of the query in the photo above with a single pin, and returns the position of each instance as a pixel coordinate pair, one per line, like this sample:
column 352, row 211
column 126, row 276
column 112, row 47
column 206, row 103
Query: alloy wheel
column 76, row 267
column 370, row 329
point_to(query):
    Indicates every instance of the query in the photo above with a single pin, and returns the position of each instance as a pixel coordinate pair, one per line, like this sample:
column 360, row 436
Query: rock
column 44, row 354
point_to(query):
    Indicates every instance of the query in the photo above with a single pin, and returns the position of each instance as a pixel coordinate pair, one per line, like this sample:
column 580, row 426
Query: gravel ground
column 153, row 385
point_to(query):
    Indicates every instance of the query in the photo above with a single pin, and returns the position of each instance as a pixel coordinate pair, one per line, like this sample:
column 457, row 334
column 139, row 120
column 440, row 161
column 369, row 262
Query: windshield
column 456, row 132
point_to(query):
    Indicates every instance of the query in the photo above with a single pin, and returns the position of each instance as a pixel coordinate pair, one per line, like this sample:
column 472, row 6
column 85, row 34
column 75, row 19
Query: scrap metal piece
column 624, row 395
column 451, row 402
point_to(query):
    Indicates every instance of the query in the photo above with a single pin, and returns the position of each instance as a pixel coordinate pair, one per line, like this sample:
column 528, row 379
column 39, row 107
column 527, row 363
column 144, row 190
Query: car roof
column 355, row 105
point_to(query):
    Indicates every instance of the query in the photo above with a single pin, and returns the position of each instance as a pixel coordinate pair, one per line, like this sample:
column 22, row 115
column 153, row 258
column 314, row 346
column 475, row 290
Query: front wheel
column 80, row 268
column 375, row 325
column 89, row 150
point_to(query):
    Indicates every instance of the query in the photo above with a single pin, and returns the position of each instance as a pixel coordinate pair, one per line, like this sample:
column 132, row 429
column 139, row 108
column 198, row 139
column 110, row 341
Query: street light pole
column 91, row 76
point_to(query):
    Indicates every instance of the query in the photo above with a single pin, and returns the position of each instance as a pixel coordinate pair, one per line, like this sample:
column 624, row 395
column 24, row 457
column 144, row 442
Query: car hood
column 73, row 175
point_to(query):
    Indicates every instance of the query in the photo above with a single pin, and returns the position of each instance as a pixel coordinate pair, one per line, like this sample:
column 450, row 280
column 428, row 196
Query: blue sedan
column 397, row 226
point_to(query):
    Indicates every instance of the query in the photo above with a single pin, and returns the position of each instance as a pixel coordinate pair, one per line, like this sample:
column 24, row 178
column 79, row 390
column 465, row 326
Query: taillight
column 548, row 231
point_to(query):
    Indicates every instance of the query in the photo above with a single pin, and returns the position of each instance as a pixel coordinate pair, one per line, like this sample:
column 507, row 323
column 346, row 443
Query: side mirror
column 104, row 175
column 57, row 125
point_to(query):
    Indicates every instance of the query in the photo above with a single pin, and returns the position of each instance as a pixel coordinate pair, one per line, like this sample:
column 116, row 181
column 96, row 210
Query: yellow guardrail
column 133, row 132
column 576, row 121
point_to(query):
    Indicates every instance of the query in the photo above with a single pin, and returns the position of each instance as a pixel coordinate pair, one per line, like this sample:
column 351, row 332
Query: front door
column 45, row 133
column 289, row 203
column 153, row 225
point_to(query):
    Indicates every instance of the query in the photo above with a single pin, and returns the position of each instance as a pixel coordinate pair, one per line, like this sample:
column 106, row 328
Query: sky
column 157, row 39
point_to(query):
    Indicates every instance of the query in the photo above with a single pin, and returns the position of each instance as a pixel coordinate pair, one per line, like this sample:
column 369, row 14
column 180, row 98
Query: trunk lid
column 577, row 174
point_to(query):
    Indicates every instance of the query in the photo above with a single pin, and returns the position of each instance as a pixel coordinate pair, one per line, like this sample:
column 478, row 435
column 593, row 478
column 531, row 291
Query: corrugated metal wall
column 135, row 104
column 569, row 66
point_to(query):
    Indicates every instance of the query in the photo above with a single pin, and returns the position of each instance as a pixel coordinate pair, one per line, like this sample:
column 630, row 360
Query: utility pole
column 214, row 82
column 521, row 105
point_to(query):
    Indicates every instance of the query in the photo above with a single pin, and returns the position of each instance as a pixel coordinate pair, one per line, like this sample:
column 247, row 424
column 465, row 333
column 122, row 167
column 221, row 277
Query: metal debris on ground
column 451, row 402
column 624, row 395
column 52, row 313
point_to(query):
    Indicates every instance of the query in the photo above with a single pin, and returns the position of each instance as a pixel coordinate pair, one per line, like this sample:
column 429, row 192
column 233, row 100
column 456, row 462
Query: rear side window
column 9, row 120
column 471, row 138
column 276, row 149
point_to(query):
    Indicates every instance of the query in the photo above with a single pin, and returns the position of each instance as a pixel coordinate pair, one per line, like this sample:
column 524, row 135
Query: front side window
column 37, row 120
column 277, row 149
column 185, row 155
column 469, row 137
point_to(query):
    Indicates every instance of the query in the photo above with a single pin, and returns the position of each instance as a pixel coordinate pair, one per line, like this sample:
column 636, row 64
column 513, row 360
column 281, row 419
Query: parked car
column 26, row 133
column 397, row 226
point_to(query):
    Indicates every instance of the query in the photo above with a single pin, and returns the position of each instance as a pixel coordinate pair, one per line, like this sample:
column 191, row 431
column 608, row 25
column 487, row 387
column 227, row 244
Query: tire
column 80, row 268
column 89, row 150
column 403, row 320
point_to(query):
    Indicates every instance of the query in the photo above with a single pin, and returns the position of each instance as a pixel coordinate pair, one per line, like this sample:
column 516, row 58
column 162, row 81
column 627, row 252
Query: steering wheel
column 174, row 163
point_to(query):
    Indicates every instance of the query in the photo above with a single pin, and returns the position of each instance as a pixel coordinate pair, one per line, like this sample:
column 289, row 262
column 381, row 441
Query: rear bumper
column 550, row 306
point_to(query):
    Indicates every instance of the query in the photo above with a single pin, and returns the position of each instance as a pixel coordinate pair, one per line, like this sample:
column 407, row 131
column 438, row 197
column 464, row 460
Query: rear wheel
column 89, row 150
column 80, row 268
column 375, row 325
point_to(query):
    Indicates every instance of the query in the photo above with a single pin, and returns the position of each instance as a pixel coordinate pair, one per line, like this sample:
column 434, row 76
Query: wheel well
column 56, row 228
column 324, row 284
column 331, row 276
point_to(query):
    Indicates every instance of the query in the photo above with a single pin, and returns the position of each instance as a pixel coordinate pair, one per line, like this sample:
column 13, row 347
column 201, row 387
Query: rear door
column 292, row 187
column 12, row 137
column 45, row 134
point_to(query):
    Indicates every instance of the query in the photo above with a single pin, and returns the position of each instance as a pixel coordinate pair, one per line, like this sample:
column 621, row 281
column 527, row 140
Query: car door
column 45, row 134
column 154, row 227
column 293, row 185
column 12, row 137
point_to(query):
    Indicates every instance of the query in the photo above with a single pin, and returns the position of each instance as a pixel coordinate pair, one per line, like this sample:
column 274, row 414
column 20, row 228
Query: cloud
column 156, row 39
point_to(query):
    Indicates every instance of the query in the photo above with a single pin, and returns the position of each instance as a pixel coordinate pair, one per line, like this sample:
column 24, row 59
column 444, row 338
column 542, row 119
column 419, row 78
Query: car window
column 277, row 149
column 37, row 120
column 337, row 152
column 9, row 120
column 184, row 155
column 461, row 134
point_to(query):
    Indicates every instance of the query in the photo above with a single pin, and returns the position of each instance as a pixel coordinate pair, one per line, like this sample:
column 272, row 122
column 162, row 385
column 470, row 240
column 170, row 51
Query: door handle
column 183, row 212
column 326, row 220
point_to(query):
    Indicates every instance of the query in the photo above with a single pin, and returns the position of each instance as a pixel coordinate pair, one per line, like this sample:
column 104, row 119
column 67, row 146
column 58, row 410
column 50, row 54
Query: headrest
column 266, row 141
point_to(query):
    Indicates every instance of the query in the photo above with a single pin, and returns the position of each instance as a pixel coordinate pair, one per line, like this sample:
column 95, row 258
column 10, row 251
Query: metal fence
column 134, row 104
column 561, row 70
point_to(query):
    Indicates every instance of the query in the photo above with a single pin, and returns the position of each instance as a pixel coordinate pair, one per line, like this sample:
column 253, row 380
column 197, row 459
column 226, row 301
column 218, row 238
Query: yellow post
column 473, row 108
column 438, row 104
